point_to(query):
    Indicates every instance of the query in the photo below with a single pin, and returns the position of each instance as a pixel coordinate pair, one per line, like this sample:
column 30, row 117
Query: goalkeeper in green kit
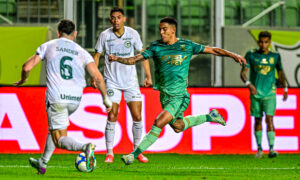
column 172, row 57
column 262, row 85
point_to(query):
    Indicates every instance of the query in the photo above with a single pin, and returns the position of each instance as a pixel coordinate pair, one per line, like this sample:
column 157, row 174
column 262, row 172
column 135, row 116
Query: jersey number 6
column 65, row 69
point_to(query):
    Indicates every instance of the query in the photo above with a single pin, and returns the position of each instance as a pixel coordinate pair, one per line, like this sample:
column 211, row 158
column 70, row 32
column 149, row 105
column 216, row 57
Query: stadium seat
column 7, row 9
column 194, row 14
column 232, row 12
column 252, row 9
column 291, row 13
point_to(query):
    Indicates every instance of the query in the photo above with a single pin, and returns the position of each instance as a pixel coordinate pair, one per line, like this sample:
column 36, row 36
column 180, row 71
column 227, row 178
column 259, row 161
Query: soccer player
column 121, row 41
column 66, row 62
column 262, row 63
column 171, row 57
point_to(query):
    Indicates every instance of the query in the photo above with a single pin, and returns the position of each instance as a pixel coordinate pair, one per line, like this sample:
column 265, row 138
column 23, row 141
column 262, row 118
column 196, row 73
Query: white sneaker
column 128, row 159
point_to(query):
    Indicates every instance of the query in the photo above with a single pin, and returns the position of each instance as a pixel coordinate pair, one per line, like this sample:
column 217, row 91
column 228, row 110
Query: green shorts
column 260, row 105
column 175, row 105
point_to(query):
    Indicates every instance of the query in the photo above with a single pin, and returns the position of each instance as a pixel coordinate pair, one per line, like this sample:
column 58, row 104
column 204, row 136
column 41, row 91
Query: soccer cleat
column 89, row 153
column 259, row 154
column 109, row 158
column 35, row 164
column 128, row 159
column 216, row 117
column 142, row 158
column 272, row 153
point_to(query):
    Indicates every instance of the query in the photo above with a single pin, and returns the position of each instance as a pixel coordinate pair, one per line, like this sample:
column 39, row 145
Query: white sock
column 70, row 144
column 109, row 136
column 49, row 148
column 137, row 130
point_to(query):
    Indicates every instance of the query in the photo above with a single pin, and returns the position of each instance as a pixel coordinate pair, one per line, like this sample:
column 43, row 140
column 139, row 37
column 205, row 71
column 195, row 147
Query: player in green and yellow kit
column 172, row 60
column 262, row 86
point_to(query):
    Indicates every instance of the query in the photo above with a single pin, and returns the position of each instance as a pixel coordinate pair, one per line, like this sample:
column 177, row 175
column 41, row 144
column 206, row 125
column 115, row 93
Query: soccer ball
column 80, row 163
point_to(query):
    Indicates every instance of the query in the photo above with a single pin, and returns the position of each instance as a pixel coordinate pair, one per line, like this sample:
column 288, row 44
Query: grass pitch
column 160, row 166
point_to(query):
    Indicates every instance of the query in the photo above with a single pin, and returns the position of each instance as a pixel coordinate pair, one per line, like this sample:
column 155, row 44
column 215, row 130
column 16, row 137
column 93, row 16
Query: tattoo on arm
column 222, row 52
column 131, row 60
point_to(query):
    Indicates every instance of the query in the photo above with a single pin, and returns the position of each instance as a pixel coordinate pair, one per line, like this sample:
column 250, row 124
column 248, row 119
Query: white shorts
column 58, row 115
column 131, row 94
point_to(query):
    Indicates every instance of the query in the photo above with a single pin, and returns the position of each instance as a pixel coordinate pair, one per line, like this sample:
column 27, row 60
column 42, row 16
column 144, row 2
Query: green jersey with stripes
column 262, row 71
column 172, row 64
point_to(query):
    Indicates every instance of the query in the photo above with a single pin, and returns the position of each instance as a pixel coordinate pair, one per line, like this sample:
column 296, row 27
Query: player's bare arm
column 27, row 67
column 100, row 85
column 129, row 61
column 222, row 52
column 244, row 78
column 282, row 79
column 96, row 58
column 146, row 66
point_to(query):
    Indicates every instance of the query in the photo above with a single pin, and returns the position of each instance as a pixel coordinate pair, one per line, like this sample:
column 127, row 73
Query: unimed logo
column 236, row 137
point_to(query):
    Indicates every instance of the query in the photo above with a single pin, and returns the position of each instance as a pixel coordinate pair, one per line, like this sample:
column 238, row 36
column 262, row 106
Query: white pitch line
column 183, row 168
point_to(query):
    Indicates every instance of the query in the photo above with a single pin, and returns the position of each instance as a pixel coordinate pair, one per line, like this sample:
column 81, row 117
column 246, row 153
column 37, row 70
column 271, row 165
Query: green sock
column 258, row 135
column 147, row 141
column 271, row 138
column 190, row 121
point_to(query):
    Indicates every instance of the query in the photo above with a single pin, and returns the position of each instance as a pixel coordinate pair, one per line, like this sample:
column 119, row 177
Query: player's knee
column 158, row 123
column 137, row 118
column 112, row 117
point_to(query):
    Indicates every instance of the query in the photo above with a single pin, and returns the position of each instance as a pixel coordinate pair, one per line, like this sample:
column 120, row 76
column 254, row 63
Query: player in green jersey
column 172, row 59
column 262, row 85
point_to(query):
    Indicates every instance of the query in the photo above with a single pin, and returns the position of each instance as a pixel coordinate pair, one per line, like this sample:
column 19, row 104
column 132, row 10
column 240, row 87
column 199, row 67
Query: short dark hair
column 116, row 9
column 169, row 20
column 264, row 34
column 66, row 26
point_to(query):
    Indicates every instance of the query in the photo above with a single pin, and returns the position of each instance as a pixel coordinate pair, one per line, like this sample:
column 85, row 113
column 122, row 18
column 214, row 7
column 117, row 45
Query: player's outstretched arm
column 146, row 66
column 222, row 52
column 282, row 79
column 27, row 67
column 244, row 78
column 128, row 61
column 100, row 85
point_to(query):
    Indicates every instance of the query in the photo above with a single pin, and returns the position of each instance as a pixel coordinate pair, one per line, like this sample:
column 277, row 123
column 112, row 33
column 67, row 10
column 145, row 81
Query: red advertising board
column 23, row 122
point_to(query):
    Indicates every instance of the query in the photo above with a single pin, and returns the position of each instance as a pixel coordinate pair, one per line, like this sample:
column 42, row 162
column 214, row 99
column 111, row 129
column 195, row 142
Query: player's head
column 264, row 40
column 167, row 28
column 117, row 18
column 66, row 28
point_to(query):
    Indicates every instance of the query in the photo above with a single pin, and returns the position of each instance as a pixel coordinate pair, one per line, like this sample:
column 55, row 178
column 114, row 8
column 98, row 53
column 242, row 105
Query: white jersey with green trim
column 65, row 69
column 117, row 75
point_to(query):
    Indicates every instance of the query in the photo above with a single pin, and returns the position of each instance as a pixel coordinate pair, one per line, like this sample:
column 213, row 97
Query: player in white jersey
column 66, row 62
column 121, row 41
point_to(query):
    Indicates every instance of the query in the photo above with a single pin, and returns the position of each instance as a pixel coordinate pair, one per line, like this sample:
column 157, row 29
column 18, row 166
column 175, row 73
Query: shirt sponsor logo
column 174, row 59
column 110, row 40
column 70, row 97
column 121, row 54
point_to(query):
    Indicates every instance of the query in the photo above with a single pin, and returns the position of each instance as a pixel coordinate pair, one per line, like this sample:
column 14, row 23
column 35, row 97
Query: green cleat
column 128, row 159
column 272, row 153
column 259, row 154
column 216, row 117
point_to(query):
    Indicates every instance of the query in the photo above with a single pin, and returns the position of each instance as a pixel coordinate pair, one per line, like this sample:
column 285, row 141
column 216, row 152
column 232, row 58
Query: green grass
column 161, row 166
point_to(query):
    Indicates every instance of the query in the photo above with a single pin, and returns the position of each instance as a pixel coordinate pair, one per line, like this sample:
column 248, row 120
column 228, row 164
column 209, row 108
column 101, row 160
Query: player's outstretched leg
column 216, row 117
column 38, row 165
column 89, row 153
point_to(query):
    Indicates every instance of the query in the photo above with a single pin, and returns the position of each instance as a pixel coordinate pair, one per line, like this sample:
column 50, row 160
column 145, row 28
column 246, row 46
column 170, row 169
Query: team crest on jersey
column 182, row 47
column 110, row 92
column 271, row 60
column 127, row 44
column 264, row 61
